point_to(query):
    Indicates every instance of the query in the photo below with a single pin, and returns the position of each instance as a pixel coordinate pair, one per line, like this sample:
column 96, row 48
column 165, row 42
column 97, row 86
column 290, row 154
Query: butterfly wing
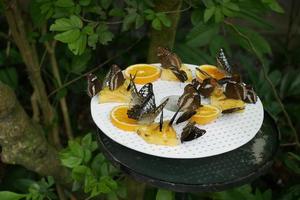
column 222, row 61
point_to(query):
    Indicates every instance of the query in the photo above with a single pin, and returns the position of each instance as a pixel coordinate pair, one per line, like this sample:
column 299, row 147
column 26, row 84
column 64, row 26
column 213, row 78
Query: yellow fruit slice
column 168, row 75
column 206, row 114
column 144, row 73
column 119, row 119
column 152, row 135
column 219, row 99
column 120, row 95
column 211, row 70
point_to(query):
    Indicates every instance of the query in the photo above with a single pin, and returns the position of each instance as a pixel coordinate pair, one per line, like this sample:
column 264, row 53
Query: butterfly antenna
column 203, row 72
column 174, row 116
column 161, row 121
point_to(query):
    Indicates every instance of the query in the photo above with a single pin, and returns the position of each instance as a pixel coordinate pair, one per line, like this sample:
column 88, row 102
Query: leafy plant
column 90, row 170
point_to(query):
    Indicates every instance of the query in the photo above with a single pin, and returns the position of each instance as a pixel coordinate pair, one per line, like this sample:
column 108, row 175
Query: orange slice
column 119, row 119
column 144, row 73
column 206, row 114
column 211, row 70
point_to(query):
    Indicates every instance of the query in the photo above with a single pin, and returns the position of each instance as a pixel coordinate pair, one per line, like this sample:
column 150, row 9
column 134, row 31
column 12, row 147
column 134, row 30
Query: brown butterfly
column 170, row 60
column 94, row 85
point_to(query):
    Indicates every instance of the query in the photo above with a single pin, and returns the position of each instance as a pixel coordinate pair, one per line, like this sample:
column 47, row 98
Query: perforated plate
column 227, row 133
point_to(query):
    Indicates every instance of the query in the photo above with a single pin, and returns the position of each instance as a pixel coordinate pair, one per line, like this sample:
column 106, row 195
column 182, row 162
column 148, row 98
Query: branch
column 276, row 95
column 95, row 68
column 30, row 57
column 23, row 142
column 62, row 101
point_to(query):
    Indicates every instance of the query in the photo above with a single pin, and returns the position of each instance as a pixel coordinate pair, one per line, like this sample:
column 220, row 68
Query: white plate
column 227, row 133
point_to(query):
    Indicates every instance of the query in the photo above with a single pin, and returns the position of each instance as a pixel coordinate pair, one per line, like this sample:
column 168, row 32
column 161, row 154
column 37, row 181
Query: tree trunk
column 166, row 36
column 23, row 142
column 30, row 57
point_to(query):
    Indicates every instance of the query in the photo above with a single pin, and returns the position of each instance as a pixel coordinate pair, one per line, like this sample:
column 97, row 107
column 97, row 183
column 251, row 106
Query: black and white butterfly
column 222, row 62
column 94, row 85
column 142, row 106
column 114, row 78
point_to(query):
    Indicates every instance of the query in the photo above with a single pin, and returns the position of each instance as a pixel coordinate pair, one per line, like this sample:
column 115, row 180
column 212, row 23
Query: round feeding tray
column 209, row 174
column 227, row 133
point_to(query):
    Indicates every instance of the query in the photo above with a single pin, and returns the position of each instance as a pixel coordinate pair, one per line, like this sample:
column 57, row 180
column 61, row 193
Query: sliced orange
column 144, row 73
column 206, row 114
column 211, row 70
column 120, row 119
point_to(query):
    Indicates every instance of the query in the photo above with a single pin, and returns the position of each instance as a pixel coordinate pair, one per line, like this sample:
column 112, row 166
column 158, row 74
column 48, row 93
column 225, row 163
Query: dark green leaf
column 104, row 35
column 76, row 21
column 164, row 195
column 208, row 3
column 292, row 165
column 295, row 156
column 79, row 172
column 78, row 46
column 128, row 21
column 64, row 3
column 84, row 2
column 92, row 40
column 208, row 13
column 139, row 21
column 105, row 3
column 97, row 162
column 109, row 182
column 228, row 12
column 276, row 7
column 201, row 35
column 164, row 19
column 156, row 24
column 218, row 15
column 150, row 14
column 89, row 30
column 62, row 24
column 68, row 36
column 9, row 76
column 117, row 12
column 80, row 63
column 232, row 6
column 196, row 17
column 86, row 141
column 217, row 43
column 6, row 195
column 112, row 196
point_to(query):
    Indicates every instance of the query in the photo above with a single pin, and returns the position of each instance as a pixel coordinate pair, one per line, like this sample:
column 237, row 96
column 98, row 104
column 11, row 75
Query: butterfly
column 222, row 62
column 94, row 85
column 191, row 132
column 142, row 105
column 114, row 78
column 170, row 60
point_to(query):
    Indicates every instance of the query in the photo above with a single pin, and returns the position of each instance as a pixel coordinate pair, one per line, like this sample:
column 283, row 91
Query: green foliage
column 11, row 195
column 164, row 195
column 41, row 190
column 88, row 32
column 244, row 192
column 90, row 170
